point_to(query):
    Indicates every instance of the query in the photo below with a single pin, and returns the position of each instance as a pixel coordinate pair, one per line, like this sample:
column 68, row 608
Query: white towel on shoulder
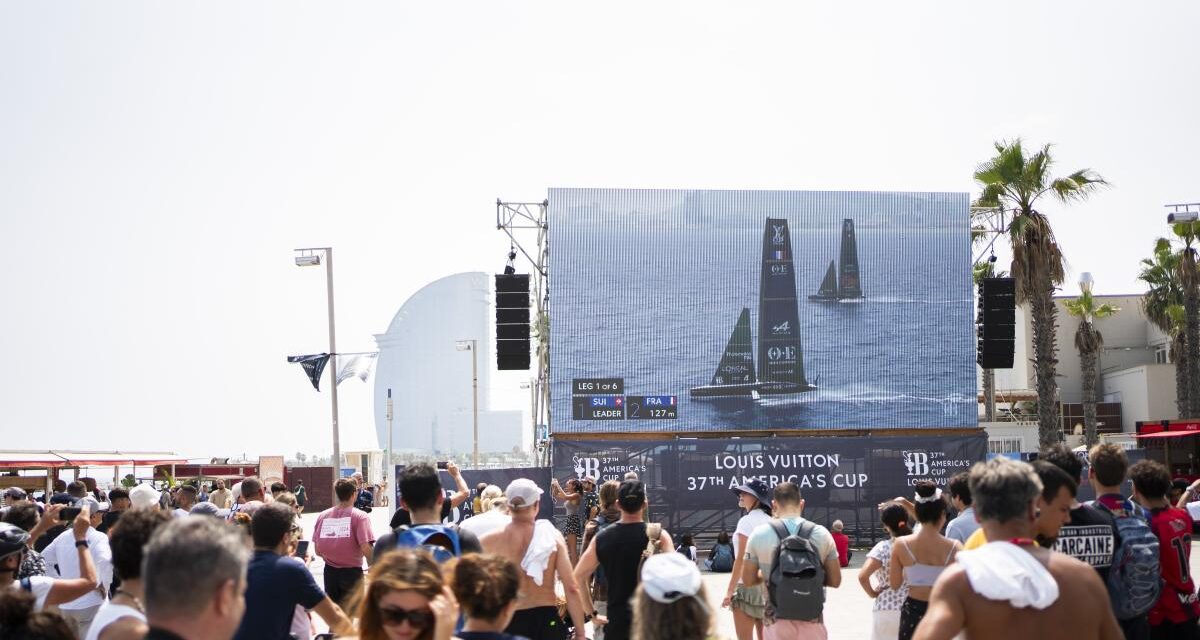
column 542, row 545
column 1004, row 571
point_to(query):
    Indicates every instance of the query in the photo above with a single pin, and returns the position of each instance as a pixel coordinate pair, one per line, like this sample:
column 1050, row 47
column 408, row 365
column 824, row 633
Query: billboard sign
column 685, row 311
column 688, row 480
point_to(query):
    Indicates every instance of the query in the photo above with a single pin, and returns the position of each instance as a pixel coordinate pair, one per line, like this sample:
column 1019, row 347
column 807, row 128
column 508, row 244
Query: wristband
column 81, row 543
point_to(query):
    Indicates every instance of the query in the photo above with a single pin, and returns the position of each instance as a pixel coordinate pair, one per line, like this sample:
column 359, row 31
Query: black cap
column 756, row 488
column 631, row 495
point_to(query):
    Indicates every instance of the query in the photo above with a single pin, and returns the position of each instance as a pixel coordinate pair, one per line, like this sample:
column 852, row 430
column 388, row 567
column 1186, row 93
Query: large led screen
column 684, row 311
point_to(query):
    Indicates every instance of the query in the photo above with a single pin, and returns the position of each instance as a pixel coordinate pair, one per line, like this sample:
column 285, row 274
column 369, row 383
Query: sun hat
column 667, row 577
column 756, row 488
column 522, row 493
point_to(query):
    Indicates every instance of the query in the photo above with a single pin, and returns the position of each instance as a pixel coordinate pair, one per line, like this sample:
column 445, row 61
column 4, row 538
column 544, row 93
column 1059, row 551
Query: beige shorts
column 751, row 601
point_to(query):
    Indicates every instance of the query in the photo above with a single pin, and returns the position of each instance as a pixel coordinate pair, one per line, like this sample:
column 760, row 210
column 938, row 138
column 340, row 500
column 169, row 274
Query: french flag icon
column 780, row 255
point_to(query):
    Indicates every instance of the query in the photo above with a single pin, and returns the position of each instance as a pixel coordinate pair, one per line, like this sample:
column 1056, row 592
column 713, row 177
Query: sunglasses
column 416, row 618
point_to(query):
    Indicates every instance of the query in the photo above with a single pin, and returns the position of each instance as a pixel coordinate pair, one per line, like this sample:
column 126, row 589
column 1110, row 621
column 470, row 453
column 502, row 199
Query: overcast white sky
column 159, row 161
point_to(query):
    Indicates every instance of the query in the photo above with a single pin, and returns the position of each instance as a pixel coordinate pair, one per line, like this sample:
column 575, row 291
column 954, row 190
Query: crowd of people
column 1002, row 551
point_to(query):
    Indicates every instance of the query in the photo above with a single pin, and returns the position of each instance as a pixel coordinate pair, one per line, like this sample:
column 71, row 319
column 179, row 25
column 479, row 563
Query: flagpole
column 337, row 446
column 389, row 471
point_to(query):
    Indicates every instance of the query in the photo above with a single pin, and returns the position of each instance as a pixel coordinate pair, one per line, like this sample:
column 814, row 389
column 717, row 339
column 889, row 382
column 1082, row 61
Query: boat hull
column 748, row 390
column 836, row 298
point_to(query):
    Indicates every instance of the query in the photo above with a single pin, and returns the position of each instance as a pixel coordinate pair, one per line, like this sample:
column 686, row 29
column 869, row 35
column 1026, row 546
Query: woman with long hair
column 486, row 587
column 572, row 498
column 670, row 602
column 747, row 603
column 919, row 558
column 874, row 575
column 405, row 599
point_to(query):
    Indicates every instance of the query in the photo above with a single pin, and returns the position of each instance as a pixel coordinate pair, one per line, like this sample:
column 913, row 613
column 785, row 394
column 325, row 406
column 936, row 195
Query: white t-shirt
column 180, row 513
column 40, row 587
column 108, row 614
column 745, row 527
column 62, row 560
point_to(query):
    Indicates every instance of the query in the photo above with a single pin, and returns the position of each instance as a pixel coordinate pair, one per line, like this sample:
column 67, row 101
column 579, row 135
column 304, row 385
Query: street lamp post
column 473, row 347
column 389, row 471
column 309, row 258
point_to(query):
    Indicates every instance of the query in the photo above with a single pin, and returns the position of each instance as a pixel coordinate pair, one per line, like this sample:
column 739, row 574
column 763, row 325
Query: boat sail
column 735, row 374
column 829, row 287
column 847, row 285
column 780, row 356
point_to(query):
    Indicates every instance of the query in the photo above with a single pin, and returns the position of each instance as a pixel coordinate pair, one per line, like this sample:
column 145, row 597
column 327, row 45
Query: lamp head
column 462, row 345
column 311, row 260
column 1085, row 282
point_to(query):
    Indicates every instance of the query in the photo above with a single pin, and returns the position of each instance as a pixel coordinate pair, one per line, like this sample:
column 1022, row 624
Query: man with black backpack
column 421, row 495
column 1133, row 580
column 620, row 549
column 797, row 559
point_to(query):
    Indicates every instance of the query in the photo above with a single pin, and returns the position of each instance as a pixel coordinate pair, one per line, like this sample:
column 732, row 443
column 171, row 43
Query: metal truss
column 527, row 228
column 987, row 224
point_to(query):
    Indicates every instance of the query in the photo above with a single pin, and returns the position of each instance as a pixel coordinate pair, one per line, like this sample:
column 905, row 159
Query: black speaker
column 512, row 322
column 996, row 329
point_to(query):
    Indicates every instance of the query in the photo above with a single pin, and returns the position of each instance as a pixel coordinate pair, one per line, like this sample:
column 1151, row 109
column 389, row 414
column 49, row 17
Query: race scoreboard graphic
column 605, row 399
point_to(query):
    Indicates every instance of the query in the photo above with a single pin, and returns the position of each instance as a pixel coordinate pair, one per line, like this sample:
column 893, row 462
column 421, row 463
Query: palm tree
column 1015, row 183
column 1089, row 342
column 1189, row 277
column 1163, row 306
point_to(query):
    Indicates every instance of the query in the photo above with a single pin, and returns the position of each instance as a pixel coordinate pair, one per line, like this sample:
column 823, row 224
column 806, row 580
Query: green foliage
column 1085, row 307
column 129, row 481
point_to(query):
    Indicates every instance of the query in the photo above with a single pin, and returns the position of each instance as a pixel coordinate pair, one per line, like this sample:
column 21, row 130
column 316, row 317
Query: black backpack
column 796, row 586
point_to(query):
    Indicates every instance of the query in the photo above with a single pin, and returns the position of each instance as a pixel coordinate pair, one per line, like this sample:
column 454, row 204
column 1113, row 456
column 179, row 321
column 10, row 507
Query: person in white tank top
column 123, row 617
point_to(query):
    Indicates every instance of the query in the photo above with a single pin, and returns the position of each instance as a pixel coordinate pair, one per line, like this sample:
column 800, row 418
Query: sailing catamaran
column 780, row 356
column 842, row 284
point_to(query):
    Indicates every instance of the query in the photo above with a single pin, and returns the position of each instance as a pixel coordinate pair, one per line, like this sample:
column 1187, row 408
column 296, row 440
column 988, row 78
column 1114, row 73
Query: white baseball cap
column 667, row 577
column 522, row 493
column 143, row 496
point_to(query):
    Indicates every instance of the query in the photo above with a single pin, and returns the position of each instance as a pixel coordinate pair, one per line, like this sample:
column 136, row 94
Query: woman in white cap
column 670, row 602
column 748, row 603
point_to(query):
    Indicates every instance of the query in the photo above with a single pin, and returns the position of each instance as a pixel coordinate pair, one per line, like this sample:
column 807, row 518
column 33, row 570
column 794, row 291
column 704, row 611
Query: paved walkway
column 847, row 608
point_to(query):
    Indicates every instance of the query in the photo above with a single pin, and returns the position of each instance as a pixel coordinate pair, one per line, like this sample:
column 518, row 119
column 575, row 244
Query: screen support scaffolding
column 527, row 221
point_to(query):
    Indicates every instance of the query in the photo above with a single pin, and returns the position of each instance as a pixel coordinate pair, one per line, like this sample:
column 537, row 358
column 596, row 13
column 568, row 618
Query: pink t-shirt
column 339, row 535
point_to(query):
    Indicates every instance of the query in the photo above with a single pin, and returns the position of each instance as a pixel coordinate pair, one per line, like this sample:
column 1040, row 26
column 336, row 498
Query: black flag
column 314, row 366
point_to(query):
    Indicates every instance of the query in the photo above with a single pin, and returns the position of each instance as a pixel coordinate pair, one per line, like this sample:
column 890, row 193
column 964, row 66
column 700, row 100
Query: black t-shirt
column 1091, row 537
column 619, row 549
column 402, row 518
column 467, row 542
column 108, row 520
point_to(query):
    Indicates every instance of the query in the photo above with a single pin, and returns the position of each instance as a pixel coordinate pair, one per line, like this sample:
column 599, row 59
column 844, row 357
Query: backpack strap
column 27, row 584
column 781, row 529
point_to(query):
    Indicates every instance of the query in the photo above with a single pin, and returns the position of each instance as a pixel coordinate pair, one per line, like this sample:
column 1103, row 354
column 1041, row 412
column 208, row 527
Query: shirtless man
column 1010, row 587
column 540, row 550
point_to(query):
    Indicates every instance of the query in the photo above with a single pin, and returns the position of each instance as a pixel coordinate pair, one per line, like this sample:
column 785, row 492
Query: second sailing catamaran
column 844, row 283
column 780, row 356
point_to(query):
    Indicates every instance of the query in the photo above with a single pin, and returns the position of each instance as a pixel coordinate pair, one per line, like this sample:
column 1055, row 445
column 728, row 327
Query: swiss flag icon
column 619, row 401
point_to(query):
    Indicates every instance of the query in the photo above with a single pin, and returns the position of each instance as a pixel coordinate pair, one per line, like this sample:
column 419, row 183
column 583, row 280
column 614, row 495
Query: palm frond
column 1078, row 186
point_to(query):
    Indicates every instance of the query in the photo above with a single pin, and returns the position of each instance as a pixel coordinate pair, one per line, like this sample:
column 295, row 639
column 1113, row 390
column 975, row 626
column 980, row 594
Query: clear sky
column 160, row 160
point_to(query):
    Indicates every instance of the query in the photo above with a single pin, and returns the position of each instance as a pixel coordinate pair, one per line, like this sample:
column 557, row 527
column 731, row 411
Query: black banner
column 313, row 365
column 840, row 478
column 498, row 477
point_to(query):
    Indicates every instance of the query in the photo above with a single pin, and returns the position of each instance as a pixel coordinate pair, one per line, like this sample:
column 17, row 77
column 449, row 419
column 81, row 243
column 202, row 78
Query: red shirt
column 1173, row 528
column 843, row 547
